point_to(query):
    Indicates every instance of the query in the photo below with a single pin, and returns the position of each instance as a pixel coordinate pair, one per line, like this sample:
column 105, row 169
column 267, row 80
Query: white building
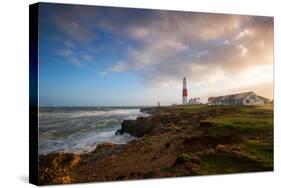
column 247, row 98
column 194, row 101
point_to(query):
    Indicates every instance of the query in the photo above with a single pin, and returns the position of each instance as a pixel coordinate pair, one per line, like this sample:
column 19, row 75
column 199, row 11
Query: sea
column 81, row 129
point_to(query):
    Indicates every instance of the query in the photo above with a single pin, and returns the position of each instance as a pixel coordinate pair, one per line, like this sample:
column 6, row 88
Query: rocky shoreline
column 172, row 142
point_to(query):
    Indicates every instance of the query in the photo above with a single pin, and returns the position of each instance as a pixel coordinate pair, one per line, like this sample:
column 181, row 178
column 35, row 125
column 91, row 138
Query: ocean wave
column 82, row 145
column 131, row 113
column 81, row 130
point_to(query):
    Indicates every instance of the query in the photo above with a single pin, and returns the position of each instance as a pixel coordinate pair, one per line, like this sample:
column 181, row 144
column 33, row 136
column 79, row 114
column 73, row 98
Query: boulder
column 138, row 127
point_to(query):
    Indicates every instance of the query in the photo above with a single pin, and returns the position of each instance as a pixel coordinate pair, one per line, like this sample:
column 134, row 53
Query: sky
column 108, row 56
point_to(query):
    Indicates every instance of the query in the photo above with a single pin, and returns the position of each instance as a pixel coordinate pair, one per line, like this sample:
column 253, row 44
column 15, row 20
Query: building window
column 247, row 101
column 252, row 97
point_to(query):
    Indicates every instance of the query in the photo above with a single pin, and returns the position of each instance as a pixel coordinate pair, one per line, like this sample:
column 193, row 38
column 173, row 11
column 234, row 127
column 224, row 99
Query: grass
column 261, row 150
column 222, row 163
column 182, row 158
column 227, row 125
column 256, row 155
column 169, row 170
column 190, row 108
column 245, row 119
column 253, row 124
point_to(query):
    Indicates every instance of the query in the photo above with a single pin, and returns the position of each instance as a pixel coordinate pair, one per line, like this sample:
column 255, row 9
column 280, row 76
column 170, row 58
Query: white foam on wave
column 90, row 144
column 130, row 113
column 84, row 145
column 81, row 131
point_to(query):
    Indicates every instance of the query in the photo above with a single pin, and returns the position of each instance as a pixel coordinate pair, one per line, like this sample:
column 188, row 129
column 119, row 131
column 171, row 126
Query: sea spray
column 80, row 130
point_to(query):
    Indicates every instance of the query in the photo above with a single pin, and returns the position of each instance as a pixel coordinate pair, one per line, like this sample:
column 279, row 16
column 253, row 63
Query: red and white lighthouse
column 184, row 92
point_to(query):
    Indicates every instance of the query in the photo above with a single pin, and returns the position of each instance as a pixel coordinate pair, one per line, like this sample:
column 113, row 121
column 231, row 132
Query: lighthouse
column 184, row 92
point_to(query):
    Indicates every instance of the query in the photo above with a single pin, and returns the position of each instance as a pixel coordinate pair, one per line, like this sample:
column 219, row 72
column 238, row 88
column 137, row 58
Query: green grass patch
column 243, row 110
column 149, row 174
column 261, row 150
column 182, row 158
column 169, row 170
column 190, row 108
column 240, row 123
column 257, row 111
column 222, row 163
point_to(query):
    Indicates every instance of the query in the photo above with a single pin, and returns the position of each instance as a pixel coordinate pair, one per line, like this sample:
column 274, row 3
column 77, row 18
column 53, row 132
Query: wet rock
column 138, row 127
column 105, row 146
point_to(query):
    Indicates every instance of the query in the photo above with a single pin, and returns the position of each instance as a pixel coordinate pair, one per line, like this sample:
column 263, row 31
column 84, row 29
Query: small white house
column 247, row 98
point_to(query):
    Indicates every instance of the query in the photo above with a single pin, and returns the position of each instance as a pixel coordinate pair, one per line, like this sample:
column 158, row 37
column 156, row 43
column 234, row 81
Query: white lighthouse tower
column 184, row 92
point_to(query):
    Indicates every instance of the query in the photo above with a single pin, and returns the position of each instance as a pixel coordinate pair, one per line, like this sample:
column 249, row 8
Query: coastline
column 173, row 142
column 81, row 129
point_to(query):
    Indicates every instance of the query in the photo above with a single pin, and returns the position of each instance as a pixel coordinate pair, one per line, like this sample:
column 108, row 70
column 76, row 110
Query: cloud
column 71, row 31
column 74, row 58
column 72, row 21
column 87, row 57
column 243, row 34
column 65, row 52
column 203, row 47
column 69, row 55
column 151, row 56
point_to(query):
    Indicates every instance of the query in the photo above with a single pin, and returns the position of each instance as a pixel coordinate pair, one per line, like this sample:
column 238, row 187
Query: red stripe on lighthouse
column 184, row 92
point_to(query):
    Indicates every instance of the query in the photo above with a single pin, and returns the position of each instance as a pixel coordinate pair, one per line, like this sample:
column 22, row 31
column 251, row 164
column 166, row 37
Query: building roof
column 264, row 98
column 232, row 97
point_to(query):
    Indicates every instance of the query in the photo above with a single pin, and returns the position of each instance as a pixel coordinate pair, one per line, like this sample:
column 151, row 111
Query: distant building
column 194, row 101
column 247, row 98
